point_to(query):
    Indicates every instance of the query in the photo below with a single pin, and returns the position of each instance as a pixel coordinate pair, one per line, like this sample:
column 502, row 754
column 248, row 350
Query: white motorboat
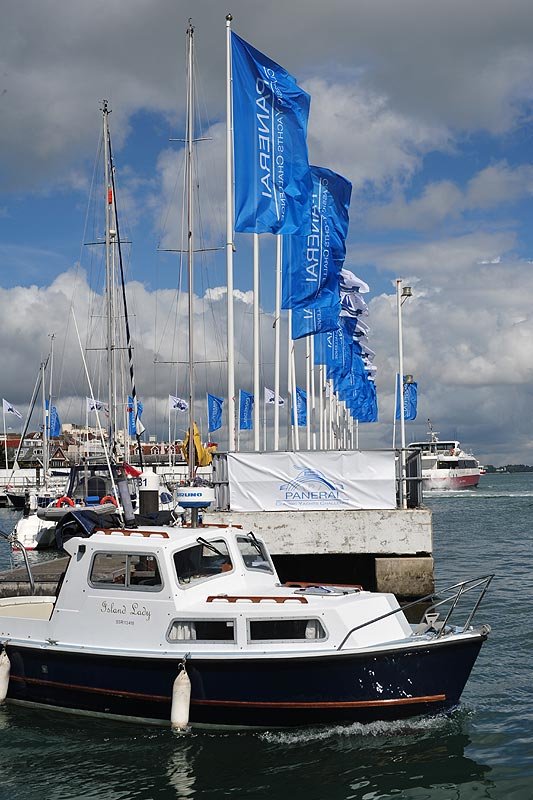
column 139, row 607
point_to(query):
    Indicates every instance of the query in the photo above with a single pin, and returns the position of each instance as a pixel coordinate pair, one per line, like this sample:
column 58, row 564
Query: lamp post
column 402, row 293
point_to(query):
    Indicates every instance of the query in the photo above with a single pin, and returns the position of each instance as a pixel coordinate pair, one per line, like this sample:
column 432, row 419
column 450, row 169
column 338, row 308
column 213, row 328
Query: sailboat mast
column 190, row 239
column 45, row 426
column 109, row 236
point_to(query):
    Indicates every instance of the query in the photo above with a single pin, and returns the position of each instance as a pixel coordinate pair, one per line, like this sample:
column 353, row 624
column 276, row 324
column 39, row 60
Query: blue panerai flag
column 328, row 348
column 214, row 412
column 272, row 177
column 301, row 407
column 246, row 406
column 312, row 260
column 54, row 425
column 410, row 392
column 308, row 320
column 133, row 427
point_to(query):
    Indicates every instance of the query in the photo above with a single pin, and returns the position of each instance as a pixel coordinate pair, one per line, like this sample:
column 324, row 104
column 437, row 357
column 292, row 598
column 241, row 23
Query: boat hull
column 447, row 481
column 342, row 688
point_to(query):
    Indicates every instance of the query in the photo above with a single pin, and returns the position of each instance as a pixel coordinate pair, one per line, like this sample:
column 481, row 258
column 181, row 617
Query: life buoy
column 108, row 499
column 65, row 501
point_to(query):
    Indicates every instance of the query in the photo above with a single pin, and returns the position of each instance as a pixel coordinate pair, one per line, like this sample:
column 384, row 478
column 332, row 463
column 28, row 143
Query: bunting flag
column 410, row 398
column 177, row 403
column 270, row 398
column 96, row 405
column 273, row 182
column 135, row 426
column 246, row 405
column 10, row 409
column 214, row 412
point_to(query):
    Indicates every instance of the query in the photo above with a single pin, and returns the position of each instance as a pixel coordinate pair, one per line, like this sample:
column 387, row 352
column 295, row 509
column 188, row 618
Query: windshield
column 203, row 560
column 254, row 554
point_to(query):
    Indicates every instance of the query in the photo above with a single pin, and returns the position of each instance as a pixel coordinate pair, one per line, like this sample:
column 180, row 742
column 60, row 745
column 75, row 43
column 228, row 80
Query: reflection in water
column 79, row 758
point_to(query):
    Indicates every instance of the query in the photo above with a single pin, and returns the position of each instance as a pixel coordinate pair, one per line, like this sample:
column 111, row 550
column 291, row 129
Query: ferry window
column 254, row 554
column 267, row 630
column 204, row 630
column 125, row 570
column 447, row 464
column 202, row 560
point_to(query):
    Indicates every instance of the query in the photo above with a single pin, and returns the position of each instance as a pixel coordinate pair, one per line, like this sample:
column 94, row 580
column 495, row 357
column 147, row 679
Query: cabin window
column 254, row 554
column 202, row 630
column 126, row 571
column 201, row 561
column 288, row 630
column 447, row 464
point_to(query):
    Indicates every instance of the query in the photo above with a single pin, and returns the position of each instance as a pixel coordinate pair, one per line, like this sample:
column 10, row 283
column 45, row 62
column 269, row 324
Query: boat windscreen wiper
column 254, row 540
column 211, row 547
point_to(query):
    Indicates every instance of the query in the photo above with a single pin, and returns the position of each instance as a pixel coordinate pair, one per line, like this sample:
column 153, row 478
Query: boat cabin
column 213, row 588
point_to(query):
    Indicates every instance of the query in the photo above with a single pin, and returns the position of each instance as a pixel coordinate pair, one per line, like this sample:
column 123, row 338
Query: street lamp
column 402, row 294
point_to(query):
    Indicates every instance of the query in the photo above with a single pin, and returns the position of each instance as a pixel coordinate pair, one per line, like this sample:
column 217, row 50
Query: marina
column 426, row 755
column 304, row 229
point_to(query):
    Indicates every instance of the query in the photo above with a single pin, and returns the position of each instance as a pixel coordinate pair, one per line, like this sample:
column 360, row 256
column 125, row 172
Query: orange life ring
column 65, row 501
column 108, row 499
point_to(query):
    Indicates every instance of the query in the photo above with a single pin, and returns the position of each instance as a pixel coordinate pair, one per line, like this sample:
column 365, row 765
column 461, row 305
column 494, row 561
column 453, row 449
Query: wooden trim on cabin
column 318, row 585
column 133, row 532
column 229, row 598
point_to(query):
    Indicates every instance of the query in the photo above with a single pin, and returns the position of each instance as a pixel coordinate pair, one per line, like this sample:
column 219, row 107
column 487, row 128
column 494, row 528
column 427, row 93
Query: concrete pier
column 384, row 550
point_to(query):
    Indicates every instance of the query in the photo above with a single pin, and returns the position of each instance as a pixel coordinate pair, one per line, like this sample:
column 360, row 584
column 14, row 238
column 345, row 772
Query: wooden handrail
column 255, row 598
column 146, row 534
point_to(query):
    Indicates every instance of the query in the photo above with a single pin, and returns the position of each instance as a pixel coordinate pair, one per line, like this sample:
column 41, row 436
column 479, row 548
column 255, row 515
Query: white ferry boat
column 445, row 465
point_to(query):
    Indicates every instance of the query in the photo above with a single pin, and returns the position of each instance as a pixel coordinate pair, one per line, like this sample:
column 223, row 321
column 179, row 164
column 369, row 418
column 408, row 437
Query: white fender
column 5, row 669
column 181, row 700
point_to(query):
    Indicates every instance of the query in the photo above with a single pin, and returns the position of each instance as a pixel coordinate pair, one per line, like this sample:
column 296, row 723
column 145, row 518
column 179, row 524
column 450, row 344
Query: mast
column 229, row 243
column 45, row 426
column 110, row 311
column 190, row 239
column 48, row 415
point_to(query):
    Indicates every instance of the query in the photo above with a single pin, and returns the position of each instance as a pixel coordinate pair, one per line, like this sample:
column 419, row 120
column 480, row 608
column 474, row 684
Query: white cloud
column 491, row 187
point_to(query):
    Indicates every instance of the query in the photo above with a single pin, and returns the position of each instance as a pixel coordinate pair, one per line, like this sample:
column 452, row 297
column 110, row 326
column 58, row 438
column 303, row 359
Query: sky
column 426, row 108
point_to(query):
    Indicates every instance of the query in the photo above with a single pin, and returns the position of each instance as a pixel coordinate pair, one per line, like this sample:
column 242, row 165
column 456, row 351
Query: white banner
column 309, row 481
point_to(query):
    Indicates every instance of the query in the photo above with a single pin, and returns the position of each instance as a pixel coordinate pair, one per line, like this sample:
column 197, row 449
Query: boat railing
column 15, row 543
column 431, row 621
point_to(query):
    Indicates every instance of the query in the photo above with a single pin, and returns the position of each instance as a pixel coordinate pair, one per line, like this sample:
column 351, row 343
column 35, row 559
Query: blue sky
column 425, row 108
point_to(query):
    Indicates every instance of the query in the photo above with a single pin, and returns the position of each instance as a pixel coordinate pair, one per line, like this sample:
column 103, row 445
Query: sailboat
column 106, row 487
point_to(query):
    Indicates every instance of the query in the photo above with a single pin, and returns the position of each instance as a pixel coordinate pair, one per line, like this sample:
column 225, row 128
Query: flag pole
column 5, row 434
column 294, row 398
column 264, row 424
column 291, row 436
column 308, row 368
column 229, row 240
column 277, row 340
column 169, row 441
column 257, row 431
column 394, row 412
column 311, row 408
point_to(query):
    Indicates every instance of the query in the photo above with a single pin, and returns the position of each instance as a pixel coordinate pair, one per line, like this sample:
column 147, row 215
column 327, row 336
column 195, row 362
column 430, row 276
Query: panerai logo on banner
column 311, row 487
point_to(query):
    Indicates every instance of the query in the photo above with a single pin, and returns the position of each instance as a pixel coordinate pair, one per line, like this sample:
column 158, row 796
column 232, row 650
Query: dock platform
column 46, row 575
